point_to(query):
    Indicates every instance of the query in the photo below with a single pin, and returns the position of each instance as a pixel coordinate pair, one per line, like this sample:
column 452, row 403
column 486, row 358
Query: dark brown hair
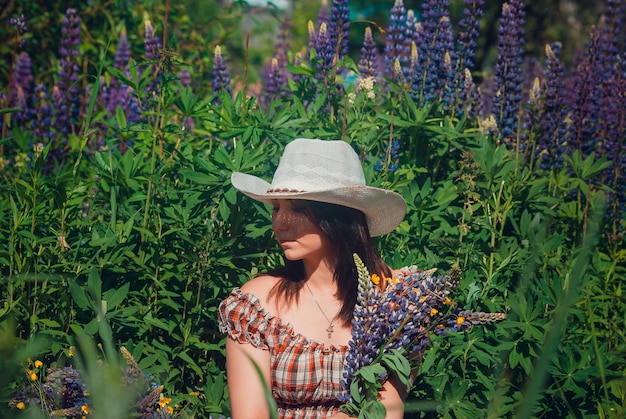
column 347, row 230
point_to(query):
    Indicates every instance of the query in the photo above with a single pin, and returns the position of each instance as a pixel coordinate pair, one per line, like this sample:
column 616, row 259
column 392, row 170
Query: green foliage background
column 138, row 249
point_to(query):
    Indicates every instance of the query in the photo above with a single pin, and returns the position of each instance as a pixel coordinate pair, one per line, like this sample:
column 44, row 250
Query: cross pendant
column 329, row 329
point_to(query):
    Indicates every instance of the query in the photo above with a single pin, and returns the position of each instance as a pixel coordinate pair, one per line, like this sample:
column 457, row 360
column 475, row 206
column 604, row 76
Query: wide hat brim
column 383, row 209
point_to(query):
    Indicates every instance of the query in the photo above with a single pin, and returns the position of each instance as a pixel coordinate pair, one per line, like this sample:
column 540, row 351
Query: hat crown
column 316, row 165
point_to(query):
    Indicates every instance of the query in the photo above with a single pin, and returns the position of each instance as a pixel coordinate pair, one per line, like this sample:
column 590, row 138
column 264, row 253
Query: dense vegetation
column 120, row 227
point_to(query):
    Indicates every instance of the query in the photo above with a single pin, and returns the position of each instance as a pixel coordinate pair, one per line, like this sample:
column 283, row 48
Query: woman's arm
column 247, row 400
column 392, row 395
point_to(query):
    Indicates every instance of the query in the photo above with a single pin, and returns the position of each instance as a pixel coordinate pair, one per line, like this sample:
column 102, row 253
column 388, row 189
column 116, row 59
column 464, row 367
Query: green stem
column 596, row 349
column 32, row 231
column 493, row 235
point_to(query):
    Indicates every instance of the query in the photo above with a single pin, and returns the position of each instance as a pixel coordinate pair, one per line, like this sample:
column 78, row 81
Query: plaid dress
column 305, row 373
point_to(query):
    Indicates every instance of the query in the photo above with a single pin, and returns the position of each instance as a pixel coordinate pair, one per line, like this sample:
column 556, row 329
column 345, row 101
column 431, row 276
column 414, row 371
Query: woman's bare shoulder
column 260, row 286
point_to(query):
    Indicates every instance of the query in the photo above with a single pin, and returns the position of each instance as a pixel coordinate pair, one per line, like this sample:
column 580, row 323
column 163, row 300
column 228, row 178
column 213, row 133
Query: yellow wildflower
column 447, row 300
column 20, row 405
column 170, row 409
column 85, row 409
column 38, row 364
column 32, row 375
column 194, row 393
column 70, row 352
column 164, row 401
column 433, row 311
column 376, row 279
column 460, row 320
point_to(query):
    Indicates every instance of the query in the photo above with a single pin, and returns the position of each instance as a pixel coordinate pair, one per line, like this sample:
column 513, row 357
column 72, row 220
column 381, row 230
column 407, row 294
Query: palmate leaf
column 398, row 365
column 373, row 409
column 370, row 374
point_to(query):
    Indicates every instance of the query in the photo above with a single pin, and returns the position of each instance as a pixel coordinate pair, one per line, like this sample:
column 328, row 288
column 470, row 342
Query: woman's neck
column 321, row 275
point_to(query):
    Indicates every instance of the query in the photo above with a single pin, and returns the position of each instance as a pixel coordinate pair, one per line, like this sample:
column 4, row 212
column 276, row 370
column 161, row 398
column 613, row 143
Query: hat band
column 284, row 190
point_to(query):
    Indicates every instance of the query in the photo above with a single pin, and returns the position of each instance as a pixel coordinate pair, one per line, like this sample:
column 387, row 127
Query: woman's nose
column 280, row 219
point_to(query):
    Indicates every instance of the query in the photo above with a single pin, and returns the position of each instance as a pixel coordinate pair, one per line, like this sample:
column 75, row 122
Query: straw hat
column 326, row 171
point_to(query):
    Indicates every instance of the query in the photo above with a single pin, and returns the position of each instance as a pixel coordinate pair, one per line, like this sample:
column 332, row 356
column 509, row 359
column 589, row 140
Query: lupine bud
column 368, row 63
column 221, row 77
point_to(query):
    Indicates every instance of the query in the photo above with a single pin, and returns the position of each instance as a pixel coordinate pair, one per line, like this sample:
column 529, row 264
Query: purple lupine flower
column 364, row 345
column 221, row 77
column 409, row 56
column 390, row 160
column 368, row 63
column 469, row 101
column 584, row 100
column 532, row 103
column 273, row 81
column 283, row 42
column 608, row 69
column 20, row 25
column 20, row 101
column 324, row 54
column 122, row 53
column 42, row 124
column 466, row 96
column 440, row 67
column 117, row 94
column 414, row 67
column 468, row 35
column 551, row 142
column 184, row 76
column 152, row 44
column 56, row 155
column 323, row 15
column 152, row 51
column 69, row 97
column 312, row 41
column 275, row 70
column 433, row 39
column 611, row 121
column 448, row 90
column 339, row 28
column 509, row 69
column 395, row 41
column 21, row 89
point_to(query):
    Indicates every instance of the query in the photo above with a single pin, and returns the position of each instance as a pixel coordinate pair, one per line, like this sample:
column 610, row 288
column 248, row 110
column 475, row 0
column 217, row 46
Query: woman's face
column 296, row 231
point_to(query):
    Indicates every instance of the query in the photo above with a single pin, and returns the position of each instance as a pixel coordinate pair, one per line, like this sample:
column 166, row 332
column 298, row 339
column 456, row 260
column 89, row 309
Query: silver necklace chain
column 330, row 329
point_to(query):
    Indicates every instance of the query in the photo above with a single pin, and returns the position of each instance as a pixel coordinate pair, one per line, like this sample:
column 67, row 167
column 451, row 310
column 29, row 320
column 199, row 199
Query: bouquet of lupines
column 393, row 319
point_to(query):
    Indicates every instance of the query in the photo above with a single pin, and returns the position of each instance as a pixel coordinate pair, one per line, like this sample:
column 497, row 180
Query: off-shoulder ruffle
column 243, row 318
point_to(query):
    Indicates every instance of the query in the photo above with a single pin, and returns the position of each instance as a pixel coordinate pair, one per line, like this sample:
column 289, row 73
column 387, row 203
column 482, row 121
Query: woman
column 290, row 327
